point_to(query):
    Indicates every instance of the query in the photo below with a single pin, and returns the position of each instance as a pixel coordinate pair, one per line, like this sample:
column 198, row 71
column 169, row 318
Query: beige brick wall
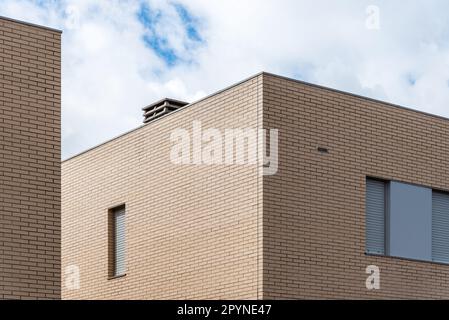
column 224, row 232
column 192, row 231
column 314, row 208
column 30, row 58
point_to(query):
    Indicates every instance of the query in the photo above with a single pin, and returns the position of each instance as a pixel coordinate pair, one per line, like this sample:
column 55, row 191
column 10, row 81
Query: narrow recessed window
column 117, row 242
column 375, row 216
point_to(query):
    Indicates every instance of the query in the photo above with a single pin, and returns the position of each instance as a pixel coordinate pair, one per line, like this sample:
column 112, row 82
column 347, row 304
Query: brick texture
column 200, row 232
column 30, row 235
column 314, row 208
column 192, row 230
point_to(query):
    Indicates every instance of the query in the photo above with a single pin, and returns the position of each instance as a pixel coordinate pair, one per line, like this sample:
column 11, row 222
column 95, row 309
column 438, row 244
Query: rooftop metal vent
column 160, row 108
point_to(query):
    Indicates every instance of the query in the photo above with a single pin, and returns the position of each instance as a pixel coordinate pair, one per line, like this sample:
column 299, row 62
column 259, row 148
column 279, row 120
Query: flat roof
column 30, row 24
column 249, row 78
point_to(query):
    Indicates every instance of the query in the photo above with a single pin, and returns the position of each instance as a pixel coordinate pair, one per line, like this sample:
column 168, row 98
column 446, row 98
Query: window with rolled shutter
column 440, row 227
column 375, row 216
column 119, row 242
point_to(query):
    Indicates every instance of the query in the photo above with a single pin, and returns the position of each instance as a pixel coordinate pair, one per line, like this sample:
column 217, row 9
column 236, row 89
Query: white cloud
column 109, row 73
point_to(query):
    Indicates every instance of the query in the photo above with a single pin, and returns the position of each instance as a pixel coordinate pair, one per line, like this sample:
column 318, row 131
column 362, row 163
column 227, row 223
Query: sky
column 121, row 55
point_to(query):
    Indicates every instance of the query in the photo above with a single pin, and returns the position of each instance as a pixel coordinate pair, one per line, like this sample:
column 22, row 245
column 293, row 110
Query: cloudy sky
column 120, row 55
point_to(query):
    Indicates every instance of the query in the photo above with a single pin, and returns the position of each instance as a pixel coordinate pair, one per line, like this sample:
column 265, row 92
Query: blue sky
column 157, row 41
column 120, row 55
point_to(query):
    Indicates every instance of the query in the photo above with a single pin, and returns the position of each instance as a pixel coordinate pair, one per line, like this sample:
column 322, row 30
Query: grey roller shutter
column 375, row 216
column 119, row 242
column 440, row 227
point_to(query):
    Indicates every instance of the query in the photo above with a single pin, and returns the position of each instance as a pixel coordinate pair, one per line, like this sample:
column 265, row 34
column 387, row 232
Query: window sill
column 117, row 276
column 371, row 254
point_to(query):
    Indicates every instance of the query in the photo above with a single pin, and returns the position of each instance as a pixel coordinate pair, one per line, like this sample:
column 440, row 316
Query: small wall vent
column 160, row 108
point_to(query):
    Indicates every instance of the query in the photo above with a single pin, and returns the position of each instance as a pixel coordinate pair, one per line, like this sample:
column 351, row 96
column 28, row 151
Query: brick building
column 30, row 175
column 358, row 183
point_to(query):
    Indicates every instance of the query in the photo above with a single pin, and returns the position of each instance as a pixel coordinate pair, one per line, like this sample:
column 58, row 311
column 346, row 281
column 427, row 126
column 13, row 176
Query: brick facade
column 225, row 231
column 192, row 231
column 314, row 208
column 30, row 104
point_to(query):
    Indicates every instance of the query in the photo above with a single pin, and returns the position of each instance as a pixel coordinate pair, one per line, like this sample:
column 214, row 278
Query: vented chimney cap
column 160, row 108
